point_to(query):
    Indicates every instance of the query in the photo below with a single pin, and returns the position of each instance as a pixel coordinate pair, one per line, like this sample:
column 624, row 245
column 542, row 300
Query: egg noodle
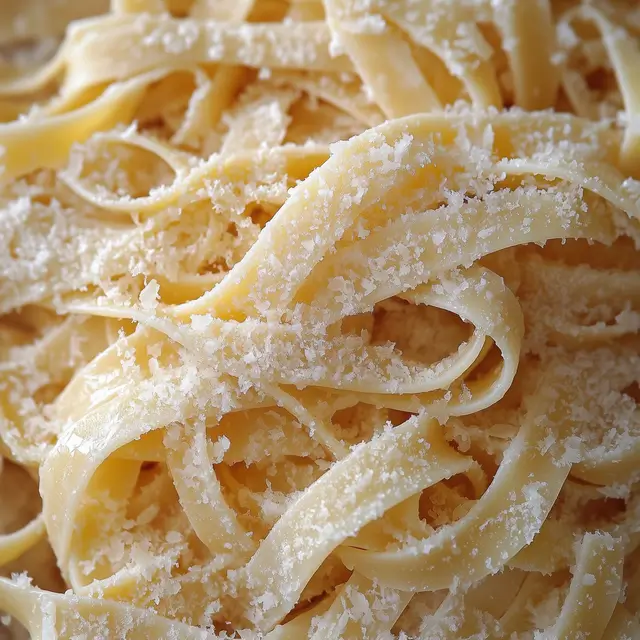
column 319, row 319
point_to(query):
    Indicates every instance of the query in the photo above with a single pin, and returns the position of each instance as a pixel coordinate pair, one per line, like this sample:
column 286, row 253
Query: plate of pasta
column 320, row 319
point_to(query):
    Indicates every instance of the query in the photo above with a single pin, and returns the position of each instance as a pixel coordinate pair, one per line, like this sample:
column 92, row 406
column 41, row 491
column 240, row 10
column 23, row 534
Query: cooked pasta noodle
column 319, row 319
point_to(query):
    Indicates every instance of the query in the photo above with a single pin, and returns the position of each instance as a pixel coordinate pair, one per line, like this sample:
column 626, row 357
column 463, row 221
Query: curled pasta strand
column 529, row 41
column 13, row 545
column 47, row 615
column 469, row 62
column 383, row 60
column 295, row 161
column 55, row 135
column 505, row 512
column 624, row 53
column 200, row 492
column 197, row 42
column 299, row 534
column 594, row 589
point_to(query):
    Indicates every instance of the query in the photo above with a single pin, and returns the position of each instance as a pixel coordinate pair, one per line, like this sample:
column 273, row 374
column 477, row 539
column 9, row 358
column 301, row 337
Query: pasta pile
column 319, row 319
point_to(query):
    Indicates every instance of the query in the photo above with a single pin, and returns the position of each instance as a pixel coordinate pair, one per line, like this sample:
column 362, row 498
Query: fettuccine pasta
column 319, row 319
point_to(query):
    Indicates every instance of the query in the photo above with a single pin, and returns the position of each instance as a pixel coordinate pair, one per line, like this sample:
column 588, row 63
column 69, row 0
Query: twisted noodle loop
column 268, row 323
